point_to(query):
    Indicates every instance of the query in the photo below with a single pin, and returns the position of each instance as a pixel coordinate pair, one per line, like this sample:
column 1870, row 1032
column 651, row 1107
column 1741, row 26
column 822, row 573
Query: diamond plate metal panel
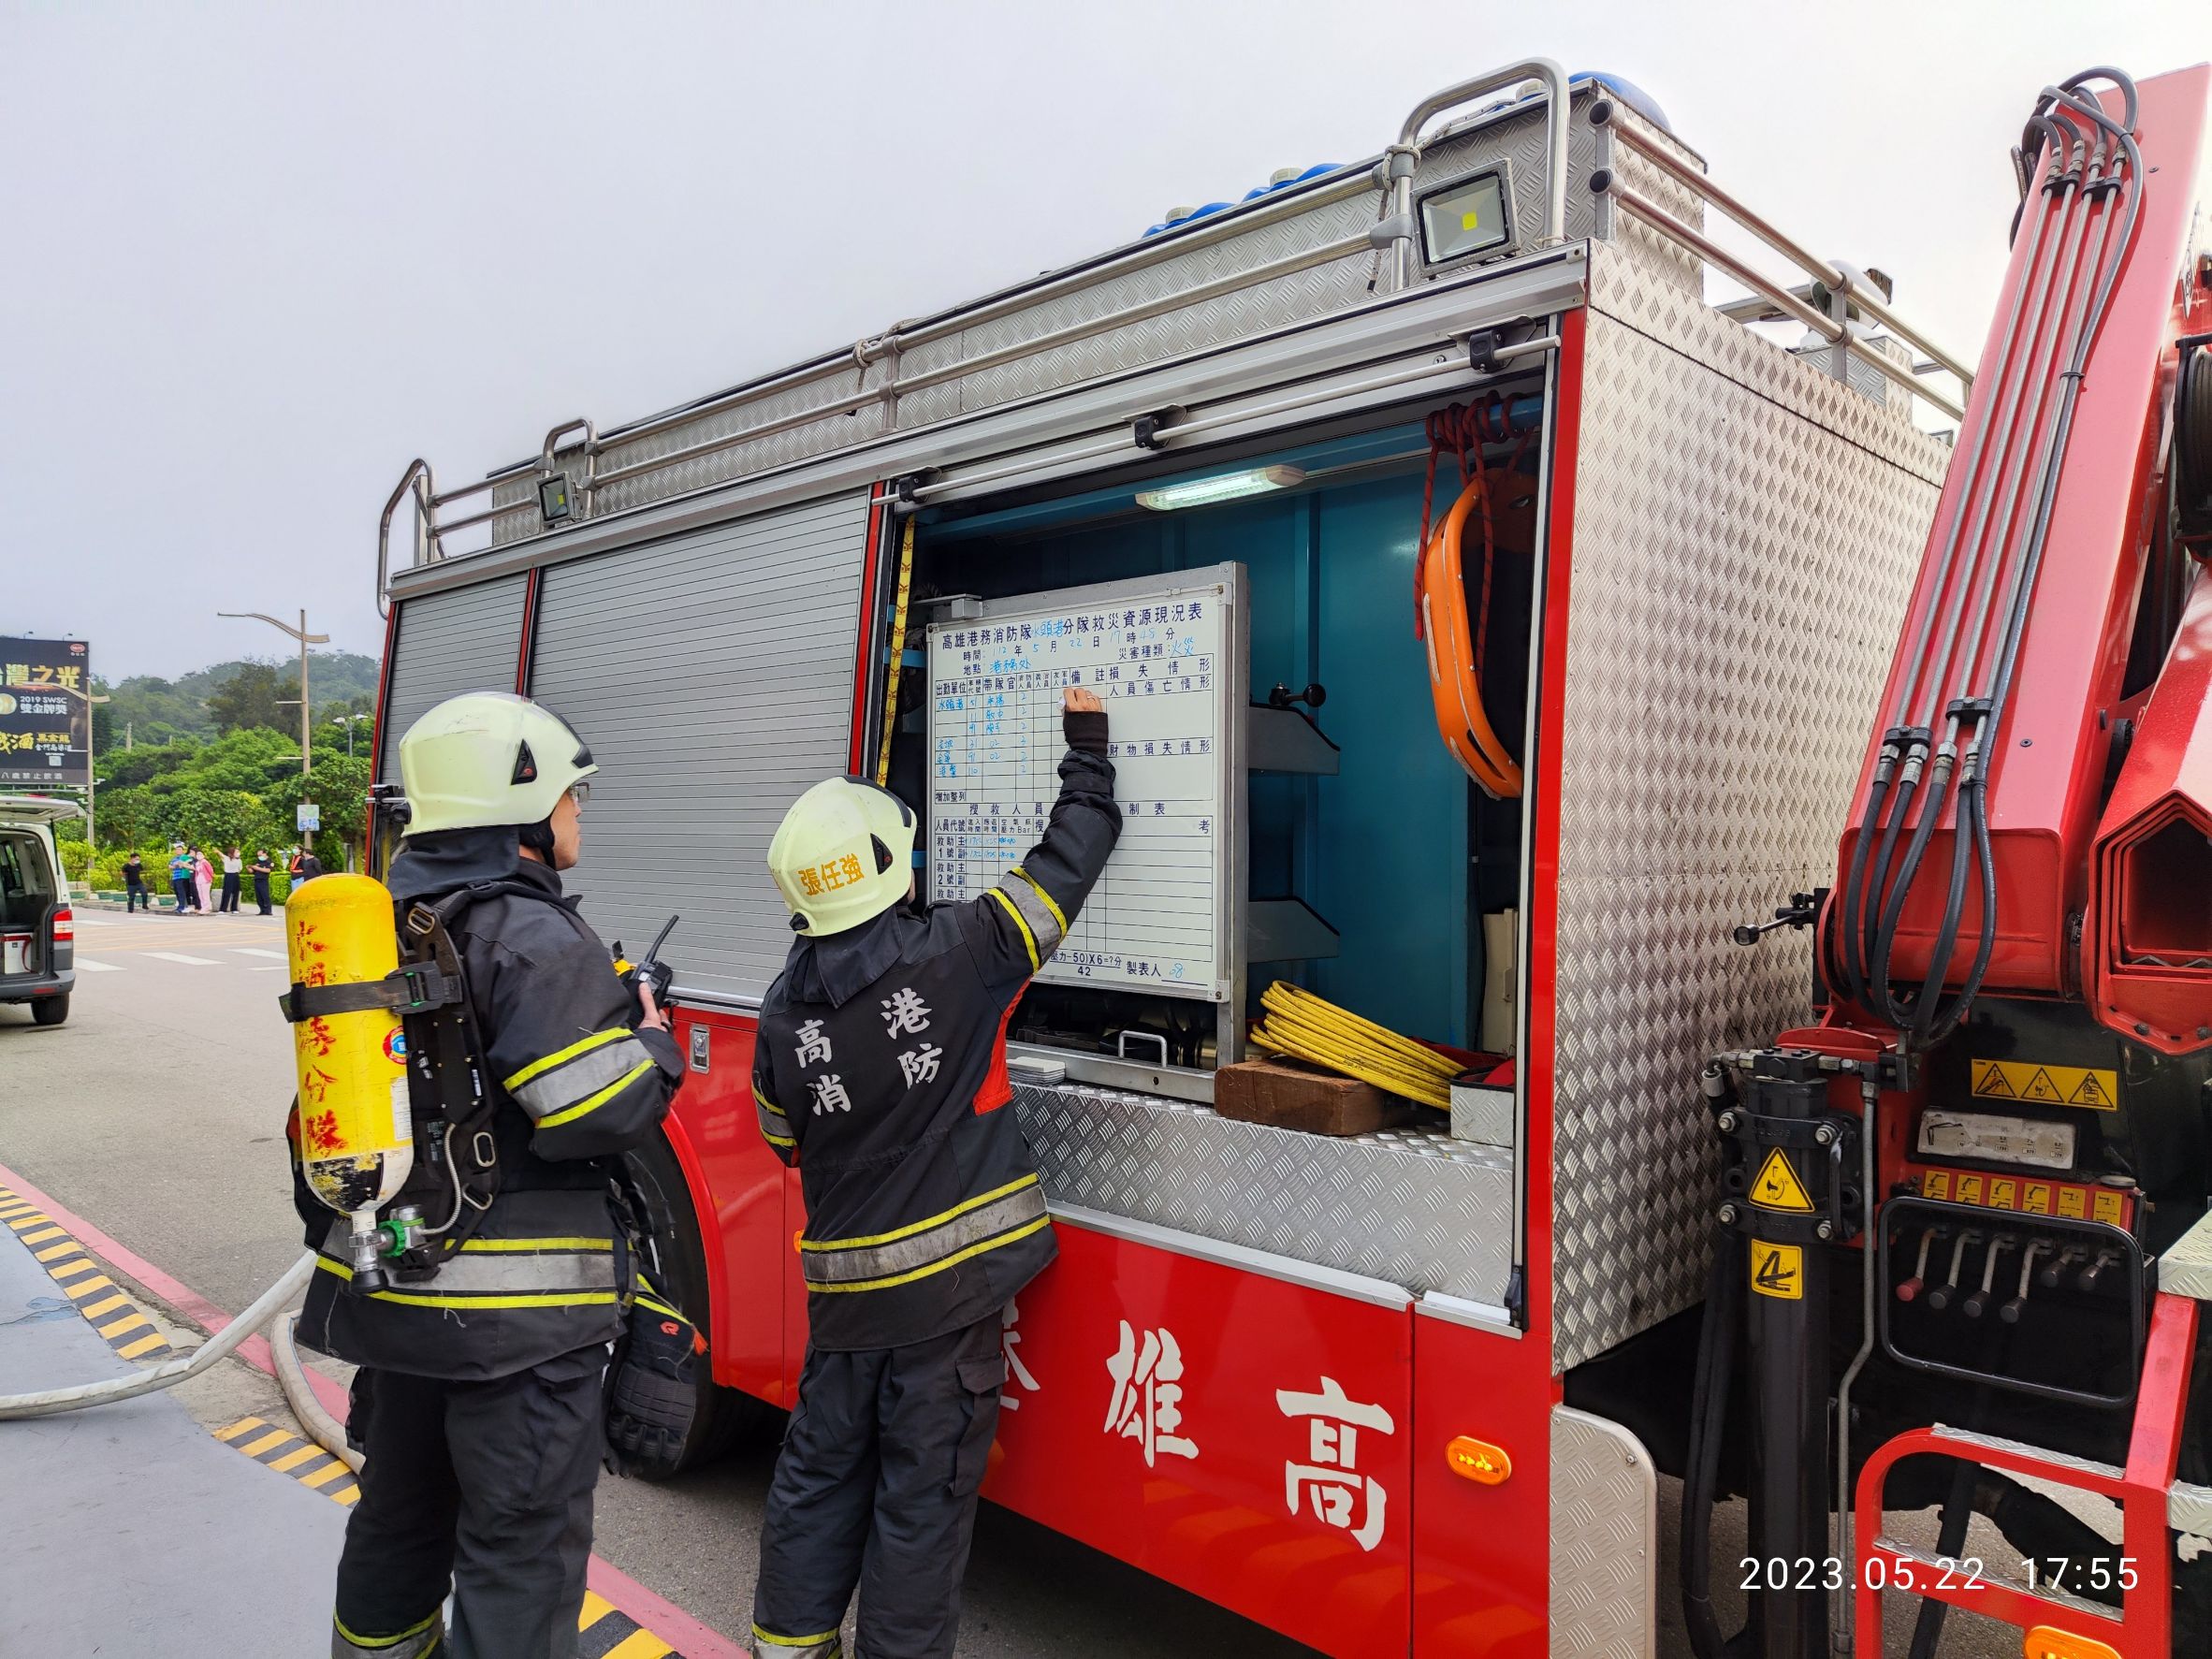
column 2185, row 1268
column 1419, row 1210
column 1516, row 138
column 836, row 430
column 2188, row 1509
column 1743, row 548
column 1605, row 1540
column 1629, row 291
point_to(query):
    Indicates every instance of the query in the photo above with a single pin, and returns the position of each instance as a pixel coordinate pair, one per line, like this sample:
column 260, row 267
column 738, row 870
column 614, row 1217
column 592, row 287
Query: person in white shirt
column 233, row 867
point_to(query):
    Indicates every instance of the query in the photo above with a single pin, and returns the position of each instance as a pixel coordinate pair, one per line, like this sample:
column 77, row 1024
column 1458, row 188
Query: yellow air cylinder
column 357, row 1139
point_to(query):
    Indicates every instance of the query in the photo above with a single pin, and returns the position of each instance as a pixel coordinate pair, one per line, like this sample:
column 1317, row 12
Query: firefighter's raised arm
column 1021, row 922
column 561, row 1045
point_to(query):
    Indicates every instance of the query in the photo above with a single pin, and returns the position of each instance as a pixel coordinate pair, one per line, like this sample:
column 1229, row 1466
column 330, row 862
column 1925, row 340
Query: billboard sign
column 45, row 733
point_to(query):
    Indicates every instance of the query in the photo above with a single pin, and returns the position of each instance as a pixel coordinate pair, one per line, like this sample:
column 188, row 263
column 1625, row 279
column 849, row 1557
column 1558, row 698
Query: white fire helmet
column 487, row 759
column 843, row 853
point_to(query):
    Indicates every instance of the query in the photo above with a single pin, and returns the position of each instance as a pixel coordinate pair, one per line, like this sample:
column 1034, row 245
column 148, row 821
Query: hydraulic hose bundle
column 1308, row 1027
column 1959, row 676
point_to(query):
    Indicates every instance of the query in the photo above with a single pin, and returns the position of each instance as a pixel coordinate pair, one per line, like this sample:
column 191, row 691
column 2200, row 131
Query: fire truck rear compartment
column 1398, row 853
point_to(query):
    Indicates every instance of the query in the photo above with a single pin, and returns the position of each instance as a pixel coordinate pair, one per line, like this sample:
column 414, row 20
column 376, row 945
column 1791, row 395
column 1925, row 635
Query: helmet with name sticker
column 842, row 855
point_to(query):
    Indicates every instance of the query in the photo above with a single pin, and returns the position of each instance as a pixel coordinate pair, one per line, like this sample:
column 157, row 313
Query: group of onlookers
column 192, row 878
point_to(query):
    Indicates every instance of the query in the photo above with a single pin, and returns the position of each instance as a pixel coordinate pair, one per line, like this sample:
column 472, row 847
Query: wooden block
column 1292, row 1095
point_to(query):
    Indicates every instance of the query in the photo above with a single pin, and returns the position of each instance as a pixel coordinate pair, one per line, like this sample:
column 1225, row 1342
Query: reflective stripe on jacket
column 879, row 1070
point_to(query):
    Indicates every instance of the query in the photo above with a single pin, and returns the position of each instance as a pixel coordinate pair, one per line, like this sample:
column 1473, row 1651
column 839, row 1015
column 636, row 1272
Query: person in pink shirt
column 203, row 877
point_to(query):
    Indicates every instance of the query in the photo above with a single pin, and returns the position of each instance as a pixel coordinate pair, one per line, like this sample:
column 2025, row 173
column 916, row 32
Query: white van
column 38, row 929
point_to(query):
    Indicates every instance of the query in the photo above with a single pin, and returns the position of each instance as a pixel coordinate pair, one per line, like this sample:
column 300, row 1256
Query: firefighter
column 478, row 1402
column 880, row 1072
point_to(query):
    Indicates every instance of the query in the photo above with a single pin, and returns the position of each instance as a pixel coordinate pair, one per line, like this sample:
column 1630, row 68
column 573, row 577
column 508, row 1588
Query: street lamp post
column 305, row 639
column 349, row 721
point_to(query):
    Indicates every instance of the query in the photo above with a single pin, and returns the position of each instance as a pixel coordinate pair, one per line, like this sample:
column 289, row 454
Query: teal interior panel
column 1380, row 850
column 1391, row 872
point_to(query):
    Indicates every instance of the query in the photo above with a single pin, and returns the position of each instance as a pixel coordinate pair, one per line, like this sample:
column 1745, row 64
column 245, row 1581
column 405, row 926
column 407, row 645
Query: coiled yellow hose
column 1308, row 1027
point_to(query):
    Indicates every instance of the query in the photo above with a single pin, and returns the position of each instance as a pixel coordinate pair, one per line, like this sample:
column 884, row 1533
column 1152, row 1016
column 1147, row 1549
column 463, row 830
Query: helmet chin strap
column 538, row 838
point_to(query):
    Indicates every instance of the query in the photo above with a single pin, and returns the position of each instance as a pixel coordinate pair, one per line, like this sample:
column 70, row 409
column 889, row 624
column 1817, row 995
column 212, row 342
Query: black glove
column 652, row 1389
column 1084, row 729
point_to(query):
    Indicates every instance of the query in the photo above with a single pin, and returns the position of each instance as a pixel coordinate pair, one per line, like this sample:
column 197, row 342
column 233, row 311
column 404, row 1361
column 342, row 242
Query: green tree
column 340, row 787
column 126, row 817
column 249, row 698
column 141, row 766
column 212, row 817
column 254, row 759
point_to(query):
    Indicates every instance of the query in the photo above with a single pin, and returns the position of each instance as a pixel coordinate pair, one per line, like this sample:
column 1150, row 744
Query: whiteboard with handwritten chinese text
column 1166, row 658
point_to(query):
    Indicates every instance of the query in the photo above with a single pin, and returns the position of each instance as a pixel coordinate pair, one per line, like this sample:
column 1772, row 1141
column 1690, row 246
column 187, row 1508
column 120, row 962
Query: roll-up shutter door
column 465, row 639
column 712, row 677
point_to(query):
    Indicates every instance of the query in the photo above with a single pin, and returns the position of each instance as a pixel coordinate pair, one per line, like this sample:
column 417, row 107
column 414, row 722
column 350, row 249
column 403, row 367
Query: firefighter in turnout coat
column 479, row 1404
column 879, row 1070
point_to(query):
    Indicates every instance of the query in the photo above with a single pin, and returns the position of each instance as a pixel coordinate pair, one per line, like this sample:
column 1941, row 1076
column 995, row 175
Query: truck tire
column 676, row 1262
column 49, row 1011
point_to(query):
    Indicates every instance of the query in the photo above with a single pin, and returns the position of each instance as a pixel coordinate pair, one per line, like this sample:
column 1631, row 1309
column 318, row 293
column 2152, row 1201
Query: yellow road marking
column 107, row 1305
column 596, row 1606
column 33, row 1219
column 642, row 1644
column 129, row 1321
column 275, row 1437
column 97, row 1282
column 61, row 1269
column 243, row 1426
column 292, row 1460
column 325, row 1477
column 345, row 1494
column 53, row 1250
column 143, row 1345
column 43, row 1234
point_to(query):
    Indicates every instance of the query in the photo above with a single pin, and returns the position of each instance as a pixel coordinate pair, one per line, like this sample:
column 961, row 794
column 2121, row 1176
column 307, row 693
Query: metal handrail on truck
column 1391, row 239
column 1848, row 289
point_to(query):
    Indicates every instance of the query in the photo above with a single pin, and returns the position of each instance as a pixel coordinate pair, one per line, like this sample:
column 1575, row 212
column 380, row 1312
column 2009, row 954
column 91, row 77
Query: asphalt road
column 156, row 1113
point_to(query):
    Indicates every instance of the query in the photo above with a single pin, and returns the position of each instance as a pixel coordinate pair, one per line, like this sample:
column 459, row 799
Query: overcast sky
column 257, row 258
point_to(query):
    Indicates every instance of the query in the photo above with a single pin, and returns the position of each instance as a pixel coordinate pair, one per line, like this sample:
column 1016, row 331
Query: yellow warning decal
column 1969, row 1189
column 2074, row 1203
column 2038, row 1201
column 1778, row 1269
column 2093, row 1086
column 2105, row 1206
column 1778, row 1186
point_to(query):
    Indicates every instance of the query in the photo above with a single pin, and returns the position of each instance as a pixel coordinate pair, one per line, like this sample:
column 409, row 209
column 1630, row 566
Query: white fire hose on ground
column 265, row 1307
column 325, row 1430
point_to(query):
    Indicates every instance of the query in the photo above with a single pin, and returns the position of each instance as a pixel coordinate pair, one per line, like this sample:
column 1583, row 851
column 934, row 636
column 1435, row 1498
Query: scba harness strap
column 445, row 1081
column 409, row 988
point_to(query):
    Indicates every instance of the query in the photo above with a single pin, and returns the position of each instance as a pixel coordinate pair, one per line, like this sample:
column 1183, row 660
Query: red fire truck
column 1493, row 625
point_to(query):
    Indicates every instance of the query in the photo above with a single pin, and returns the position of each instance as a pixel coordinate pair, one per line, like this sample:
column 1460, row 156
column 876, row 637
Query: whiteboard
column 1166, row 657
